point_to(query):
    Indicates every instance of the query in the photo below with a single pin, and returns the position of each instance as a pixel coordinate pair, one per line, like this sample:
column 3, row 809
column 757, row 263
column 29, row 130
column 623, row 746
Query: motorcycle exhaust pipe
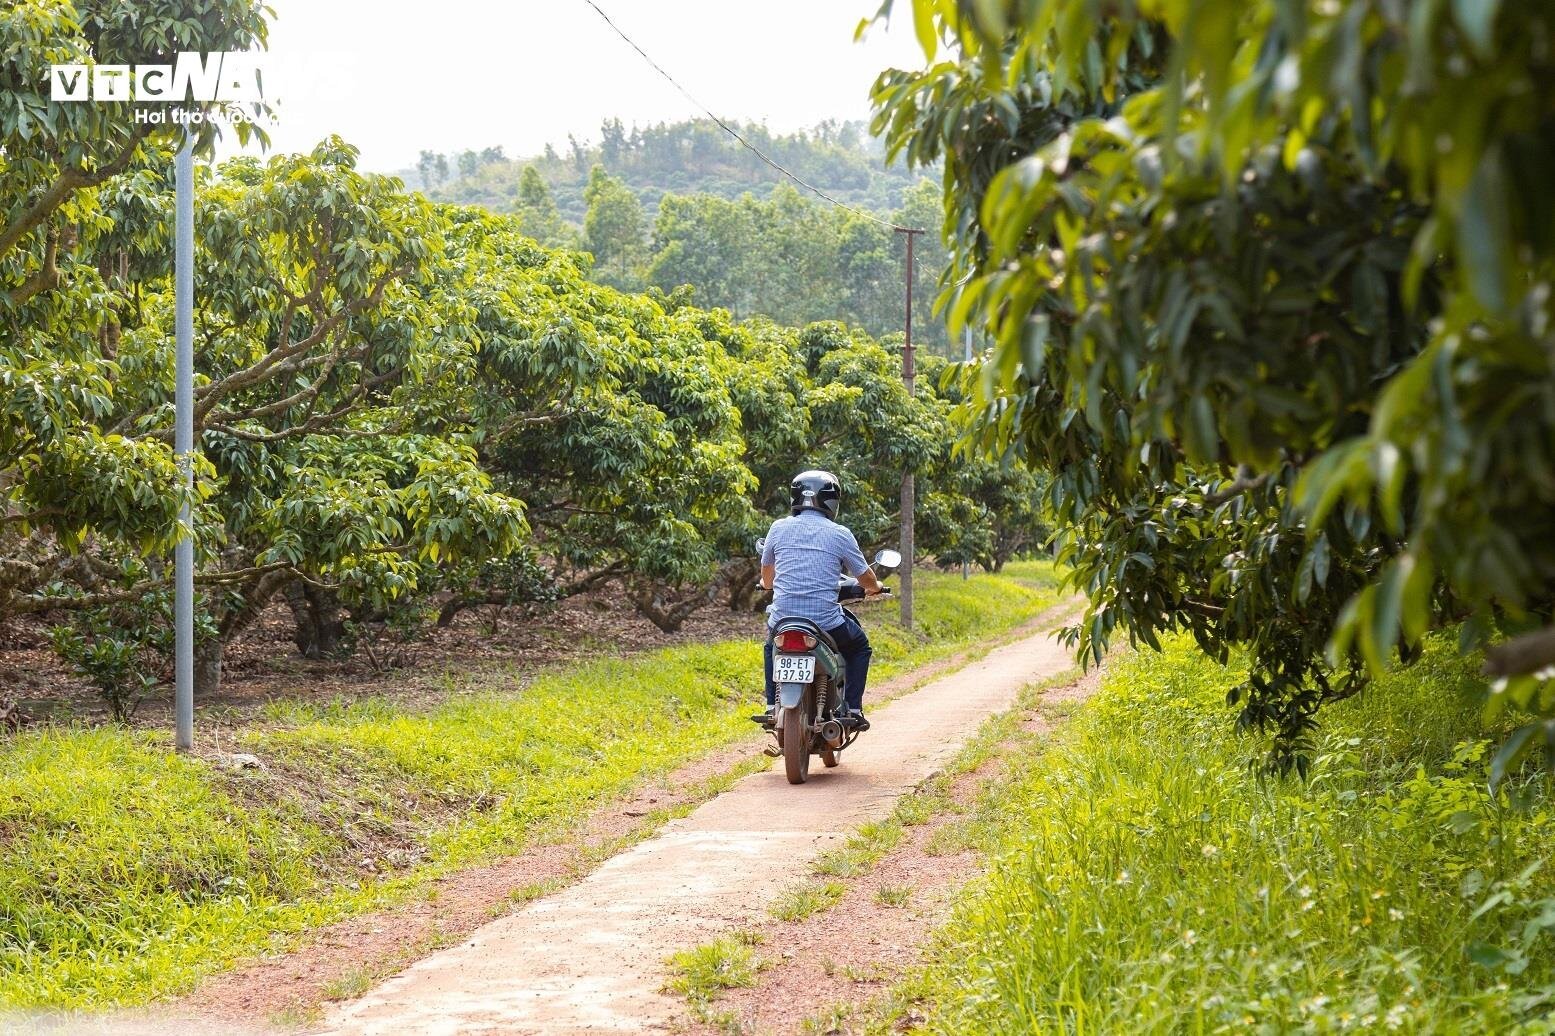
column 831, row 733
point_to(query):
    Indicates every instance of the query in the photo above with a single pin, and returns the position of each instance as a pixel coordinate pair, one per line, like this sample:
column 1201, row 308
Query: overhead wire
column 752, row 148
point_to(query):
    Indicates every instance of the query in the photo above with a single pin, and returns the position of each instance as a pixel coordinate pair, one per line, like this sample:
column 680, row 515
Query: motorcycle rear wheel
column 829, row 757
column 796, row 746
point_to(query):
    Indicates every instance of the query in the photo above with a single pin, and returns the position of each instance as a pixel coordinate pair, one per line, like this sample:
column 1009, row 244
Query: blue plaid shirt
column 810, row 552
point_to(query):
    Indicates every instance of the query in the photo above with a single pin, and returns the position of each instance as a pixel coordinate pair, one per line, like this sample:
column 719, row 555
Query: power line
column 752, row 148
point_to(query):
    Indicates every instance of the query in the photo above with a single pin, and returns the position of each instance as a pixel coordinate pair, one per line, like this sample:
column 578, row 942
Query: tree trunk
column 743, row 597
column 1007, row 546
column 207, row 667
column 319, row 626
column 450, row 610
column 459, row 602
column 669, row 614
column 743, row 586
column 208, row 654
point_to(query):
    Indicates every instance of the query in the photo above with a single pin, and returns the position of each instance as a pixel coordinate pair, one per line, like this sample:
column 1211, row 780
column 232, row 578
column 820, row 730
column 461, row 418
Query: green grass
column 128, row 872
column 350, row 985
column 927, row 800
column 862, row 850
column 1032, row 571
column 1144, row 879
column 952, row 614
column 806, row 899
column 728, row 962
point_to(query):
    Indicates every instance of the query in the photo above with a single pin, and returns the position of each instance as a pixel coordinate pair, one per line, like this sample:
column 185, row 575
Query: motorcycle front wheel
column 796, row 745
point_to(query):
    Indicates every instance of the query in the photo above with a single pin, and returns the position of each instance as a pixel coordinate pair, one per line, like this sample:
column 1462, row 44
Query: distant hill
column 693, row 157
column 684, row 204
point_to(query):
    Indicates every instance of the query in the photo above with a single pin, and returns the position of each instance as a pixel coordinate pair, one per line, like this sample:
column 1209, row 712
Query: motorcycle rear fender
column 829, row 660
column 790, row 694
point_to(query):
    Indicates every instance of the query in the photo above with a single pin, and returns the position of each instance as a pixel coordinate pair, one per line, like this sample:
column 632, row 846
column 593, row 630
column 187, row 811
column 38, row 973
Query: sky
column 394, row 77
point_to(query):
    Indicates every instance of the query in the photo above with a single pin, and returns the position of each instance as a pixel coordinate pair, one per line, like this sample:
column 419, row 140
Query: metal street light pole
column 183, row 447
column 966, row 566
column 909, row 503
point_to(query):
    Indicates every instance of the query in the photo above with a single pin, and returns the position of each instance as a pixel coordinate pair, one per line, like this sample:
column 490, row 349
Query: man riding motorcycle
column 800, row 563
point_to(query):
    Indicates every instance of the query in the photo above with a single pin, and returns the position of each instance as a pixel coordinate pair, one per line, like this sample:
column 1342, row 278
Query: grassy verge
column 727, row 962
column 1143, row 878
column 1000, row 736
column 952, row 614
column 128, row 872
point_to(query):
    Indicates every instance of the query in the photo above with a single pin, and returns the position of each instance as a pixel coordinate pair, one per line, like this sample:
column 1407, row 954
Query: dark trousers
column 854, row 645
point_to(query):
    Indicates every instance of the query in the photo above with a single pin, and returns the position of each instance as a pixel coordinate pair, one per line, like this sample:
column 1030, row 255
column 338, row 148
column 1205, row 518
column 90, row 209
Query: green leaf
column 1313, row 568
column 1389, row 476
column 1477, row 19
column 1202, row 442
column 1424, row 251
column 1484, row 232
column 1511, row 752
column 923, row 24
column 1488, row 956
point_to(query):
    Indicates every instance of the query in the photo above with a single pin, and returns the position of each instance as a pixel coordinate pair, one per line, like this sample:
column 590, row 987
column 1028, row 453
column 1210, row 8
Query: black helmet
column 816, row 491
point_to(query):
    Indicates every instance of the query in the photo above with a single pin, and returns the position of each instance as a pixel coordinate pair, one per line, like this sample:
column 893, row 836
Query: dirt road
column 591, row 957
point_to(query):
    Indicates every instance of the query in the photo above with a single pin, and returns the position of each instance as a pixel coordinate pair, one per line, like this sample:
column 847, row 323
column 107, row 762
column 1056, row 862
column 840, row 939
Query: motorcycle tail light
column 795, row 640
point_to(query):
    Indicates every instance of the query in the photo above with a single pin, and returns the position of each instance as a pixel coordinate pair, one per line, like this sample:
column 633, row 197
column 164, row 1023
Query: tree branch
column 30, row 603
column 593, row 579
column 1527, row 653
column 67, row 183
column 1245, row 482
column 47, row 276
column 528, row 420
column 209, row 395
column 31, row 516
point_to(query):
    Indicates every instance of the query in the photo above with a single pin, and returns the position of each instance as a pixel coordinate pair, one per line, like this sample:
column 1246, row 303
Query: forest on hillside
column 686, row 204
column 694, row 156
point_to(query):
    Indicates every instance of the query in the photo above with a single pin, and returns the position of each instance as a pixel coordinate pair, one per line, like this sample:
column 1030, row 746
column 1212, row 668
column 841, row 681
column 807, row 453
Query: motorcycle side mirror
column 761, row 544
column 888, row 559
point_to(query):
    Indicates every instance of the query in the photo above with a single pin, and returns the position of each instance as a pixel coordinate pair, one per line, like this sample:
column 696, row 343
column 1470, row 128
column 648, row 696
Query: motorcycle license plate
column 793, row 668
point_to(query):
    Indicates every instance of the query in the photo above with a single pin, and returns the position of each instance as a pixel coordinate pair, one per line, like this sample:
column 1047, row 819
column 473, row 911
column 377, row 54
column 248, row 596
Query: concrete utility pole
column 183, row 447
column 909, row 502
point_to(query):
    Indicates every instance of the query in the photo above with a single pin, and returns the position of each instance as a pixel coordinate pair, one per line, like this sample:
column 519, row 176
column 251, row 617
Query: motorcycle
column 811, row 682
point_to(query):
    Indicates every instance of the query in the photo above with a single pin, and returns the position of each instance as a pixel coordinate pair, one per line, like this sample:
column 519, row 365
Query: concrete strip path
column 590, row 959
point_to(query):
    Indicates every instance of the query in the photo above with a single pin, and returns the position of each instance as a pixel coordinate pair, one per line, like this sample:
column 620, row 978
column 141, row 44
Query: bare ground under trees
column 265, row 664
